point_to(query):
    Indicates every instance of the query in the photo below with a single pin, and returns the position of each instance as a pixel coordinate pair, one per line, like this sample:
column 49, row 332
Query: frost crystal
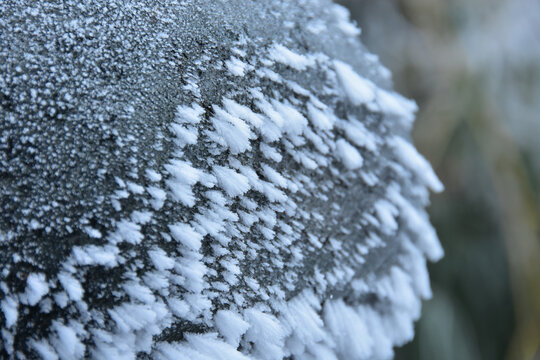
column 205, row 180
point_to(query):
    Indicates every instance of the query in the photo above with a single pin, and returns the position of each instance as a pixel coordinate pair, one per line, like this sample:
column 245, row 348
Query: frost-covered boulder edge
column 205, row 180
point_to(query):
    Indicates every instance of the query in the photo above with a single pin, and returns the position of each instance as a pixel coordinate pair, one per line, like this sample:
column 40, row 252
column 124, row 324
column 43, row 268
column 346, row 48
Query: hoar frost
column 205, row 180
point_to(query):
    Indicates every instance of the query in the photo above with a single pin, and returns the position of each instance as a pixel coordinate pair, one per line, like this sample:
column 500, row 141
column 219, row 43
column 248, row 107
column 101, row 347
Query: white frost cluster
column 239, row 260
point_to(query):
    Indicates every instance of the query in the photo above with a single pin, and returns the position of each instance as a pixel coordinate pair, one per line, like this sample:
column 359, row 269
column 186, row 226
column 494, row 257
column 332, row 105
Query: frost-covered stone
column 205, row 180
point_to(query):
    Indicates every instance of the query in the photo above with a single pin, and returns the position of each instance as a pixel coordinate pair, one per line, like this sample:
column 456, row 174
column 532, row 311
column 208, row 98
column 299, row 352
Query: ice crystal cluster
column 205, row 180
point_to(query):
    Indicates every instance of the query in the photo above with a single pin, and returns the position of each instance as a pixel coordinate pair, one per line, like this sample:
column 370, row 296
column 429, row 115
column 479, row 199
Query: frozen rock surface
column 204, row 180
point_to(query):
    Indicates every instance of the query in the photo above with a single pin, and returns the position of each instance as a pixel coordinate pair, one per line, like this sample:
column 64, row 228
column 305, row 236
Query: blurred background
column 473, row 67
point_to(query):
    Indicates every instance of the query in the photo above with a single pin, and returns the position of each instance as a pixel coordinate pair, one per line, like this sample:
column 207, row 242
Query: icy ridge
column 287, row 220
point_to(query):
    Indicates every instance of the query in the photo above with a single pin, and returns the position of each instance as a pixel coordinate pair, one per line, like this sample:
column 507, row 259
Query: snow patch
column 231, row 326
column 232, row 182
column 36, row 288
column 410, row 157
column 281, row 54
column 358, row 89
column 349, row 155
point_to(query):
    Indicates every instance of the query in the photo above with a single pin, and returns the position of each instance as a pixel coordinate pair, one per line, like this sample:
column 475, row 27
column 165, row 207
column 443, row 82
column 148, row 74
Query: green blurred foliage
column 473, row 66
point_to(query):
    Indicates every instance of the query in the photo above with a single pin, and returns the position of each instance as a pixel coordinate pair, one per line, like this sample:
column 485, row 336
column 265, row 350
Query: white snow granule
column 287, row 57
column 36, row 288
column 71, row 285
column 232, row 182
column 231, row 326
column 359, row 90
column 349, row 155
